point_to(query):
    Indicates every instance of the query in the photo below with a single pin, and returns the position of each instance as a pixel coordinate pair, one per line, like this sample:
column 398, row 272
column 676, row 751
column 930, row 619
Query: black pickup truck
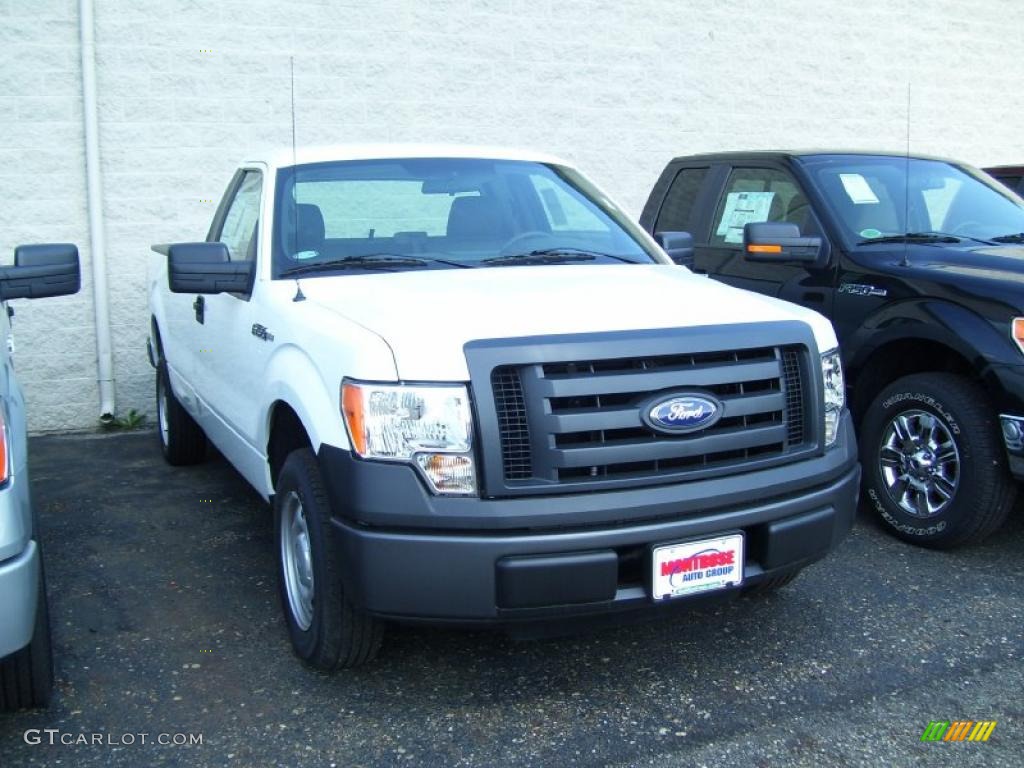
column 919, row 263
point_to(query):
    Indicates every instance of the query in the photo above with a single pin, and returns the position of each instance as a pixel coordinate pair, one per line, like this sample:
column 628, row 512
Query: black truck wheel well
column 897, row 359
column 286, row 435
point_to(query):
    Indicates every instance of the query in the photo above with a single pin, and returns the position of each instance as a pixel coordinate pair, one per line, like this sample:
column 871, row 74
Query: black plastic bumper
column 574, row 554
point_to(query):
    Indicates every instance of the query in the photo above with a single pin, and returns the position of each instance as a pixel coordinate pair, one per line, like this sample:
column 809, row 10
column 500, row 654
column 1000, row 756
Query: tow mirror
column 40, row 271
column 207, row 268
column 779, row 242
column 678, row 246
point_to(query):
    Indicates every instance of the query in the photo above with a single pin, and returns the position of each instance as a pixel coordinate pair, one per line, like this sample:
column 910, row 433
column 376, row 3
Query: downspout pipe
column 97, row 244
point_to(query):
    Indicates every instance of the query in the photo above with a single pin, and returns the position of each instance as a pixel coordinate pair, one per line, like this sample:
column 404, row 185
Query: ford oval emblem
column 679, row 414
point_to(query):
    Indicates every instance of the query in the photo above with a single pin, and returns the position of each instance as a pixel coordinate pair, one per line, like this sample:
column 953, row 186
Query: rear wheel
column 181, row 439
column 327, row 631
column 26, row 677
column 934, row 463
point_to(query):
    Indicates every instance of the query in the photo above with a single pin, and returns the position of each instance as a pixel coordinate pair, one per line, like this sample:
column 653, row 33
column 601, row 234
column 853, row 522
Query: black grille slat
column 512, row 423
column 704, row 375
column 605, row 452
column 584, row 416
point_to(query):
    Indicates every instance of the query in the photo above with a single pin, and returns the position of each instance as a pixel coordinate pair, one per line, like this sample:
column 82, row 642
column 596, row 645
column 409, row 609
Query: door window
column 238, row 232
column 677, row 211
column 755, row 195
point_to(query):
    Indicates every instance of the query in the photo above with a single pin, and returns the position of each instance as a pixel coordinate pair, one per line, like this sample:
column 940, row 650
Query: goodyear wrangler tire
column 26, row 677
column 327, row 631
column 935, row 467
column 773, row 584
column 182, row 441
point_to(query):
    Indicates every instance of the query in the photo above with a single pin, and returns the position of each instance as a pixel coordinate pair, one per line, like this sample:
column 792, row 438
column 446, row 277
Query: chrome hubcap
column 161, row 408
column 919, row 463
column 297, row 560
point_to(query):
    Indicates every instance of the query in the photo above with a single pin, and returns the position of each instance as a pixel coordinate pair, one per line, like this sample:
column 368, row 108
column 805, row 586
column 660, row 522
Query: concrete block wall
column 188, row 87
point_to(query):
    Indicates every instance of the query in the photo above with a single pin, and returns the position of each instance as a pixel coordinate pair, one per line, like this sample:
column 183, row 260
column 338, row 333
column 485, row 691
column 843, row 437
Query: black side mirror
column 779, row 242
column 207, row 268
column 40, row 271
column 678, row 246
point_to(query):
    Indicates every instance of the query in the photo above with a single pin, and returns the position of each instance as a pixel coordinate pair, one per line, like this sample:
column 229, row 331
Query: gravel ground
column 166, row 622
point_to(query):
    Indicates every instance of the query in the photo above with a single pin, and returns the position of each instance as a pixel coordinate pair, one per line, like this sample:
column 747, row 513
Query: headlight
column 429, row 426
column 835, row 394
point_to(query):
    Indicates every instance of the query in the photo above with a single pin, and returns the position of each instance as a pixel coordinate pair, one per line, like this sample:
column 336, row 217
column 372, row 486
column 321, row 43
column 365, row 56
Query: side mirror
column 207, row 268
column 40, row 271
column 779, row 242
column 678, row 246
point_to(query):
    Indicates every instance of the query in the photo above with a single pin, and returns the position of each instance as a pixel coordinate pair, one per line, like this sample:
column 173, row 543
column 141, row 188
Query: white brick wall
column 617, row 87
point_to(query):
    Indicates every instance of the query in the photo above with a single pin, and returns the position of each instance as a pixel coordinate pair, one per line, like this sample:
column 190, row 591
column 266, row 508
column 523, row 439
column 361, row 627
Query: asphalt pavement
column 166, row 623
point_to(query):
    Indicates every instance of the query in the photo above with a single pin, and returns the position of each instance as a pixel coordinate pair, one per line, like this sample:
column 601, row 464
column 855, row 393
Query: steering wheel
column 963, row 225
column 533, row 234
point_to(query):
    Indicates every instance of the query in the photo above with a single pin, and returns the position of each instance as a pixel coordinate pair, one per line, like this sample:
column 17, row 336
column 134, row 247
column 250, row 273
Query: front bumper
column 19, row 598
column 409, row 555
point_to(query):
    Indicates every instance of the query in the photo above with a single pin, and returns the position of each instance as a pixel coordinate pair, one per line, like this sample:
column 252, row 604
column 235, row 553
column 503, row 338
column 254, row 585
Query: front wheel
column 934, row 463
column 327, row 630
column 26, row 677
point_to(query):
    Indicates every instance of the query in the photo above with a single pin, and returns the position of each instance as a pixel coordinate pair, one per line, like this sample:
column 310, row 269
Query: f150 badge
column 859, row 289
column 679, row 414
column 261, row 332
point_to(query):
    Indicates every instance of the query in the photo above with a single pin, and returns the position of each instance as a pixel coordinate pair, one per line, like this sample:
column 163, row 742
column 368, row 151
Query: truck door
column 757, row 194
column 230, row 360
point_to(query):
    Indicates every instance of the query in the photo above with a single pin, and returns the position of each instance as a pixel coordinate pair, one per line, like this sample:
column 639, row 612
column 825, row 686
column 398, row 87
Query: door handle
column 199, row 305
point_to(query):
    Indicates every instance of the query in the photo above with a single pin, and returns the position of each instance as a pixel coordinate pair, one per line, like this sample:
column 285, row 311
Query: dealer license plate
column 697, row 566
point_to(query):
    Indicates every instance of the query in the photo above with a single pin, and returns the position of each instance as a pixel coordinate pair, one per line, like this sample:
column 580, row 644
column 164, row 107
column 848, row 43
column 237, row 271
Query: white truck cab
column 476, row 393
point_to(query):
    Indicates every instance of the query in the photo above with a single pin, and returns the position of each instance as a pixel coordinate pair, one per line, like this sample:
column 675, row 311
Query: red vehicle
column 1011, row 175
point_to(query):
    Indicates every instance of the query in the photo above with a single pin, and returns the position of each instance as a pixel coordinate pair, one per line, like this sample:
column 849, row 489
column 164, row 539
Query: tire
column 935, row 468
column 181, row 440
column 26, row 677
column 772, row 584
column 326, row 630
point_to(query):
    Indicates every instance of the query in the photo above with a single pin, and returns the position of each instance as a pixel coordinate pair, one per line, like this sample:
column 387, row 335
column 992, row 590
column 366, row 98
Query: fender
column 317, row 405
column 970, row 335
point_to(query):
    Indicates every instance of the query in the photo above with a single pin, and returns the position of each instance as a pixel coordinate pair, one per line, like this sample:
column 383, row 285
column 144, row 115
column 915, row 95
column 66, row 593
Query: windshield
column 870, row 198
column 444, row 213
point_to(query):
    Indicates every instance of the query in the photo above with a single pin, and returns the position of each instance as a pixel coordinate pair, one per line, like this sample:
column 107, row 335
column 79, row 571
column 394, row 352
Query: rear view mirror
column 779, row 242
column 207, row 268
column 40, row 271
column 678, row 246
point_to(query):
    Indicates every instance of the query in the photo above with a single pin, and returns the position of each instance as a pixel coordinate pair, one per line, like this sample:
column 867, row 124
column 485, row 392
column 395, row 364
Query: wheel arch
column 916, row 338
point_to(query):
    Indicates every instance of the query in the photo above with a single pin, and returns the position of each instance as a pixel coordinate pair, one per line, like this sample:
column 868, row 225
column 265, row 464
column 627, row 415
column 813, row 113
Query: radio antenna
column 299, row 296
column 906, row 191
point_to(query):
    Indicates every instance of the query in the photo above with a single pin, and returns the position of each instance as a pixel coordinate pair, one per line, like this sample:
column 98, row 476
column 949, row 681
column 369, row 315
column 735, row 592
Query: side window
column 238, row 231
column 677, row 211
column 754, row 195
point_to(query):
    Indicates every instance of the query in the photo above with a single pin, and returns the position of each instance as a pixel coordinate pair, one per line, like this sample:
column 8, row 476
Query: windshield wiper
column 912, row 237
column 369, row 261
column 554, row 256
column 1015, row 238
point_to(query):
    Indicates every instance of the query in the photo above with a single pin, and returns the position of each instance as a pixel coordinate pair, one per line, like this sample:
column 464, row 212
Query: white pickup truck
column 476, row 393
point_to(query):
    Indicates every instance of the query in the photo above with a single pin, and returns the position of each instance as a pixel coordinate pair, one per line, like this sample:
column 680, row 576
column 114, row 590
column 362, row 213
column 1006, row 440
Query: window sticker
column 858, row 189
column 742, row 208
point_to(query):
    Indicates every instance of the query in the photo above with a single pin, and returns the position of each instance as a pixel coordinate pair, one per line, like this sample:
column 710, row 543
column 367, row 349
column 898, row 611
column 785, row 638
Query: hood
column 1003, row 263
column 428, row 316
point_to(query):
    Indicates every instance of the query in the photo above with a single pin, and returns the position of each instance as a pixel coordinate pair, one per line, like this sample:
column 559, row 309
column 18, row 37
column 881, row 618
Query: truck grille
column 580, row 421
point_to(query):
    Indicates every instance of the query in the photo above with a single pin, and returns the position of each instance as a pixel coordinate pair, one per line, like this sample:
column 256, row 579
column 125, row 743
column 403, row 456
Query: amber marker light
column 752, row 248
column 5, row 468
column 352, row 408
column 1017, row 331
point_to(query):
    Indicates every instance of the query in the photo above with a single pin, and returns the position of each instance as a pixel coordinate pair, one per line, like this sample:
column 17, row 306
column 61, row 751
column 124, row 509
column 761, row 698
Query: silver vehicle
column 26, row 665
